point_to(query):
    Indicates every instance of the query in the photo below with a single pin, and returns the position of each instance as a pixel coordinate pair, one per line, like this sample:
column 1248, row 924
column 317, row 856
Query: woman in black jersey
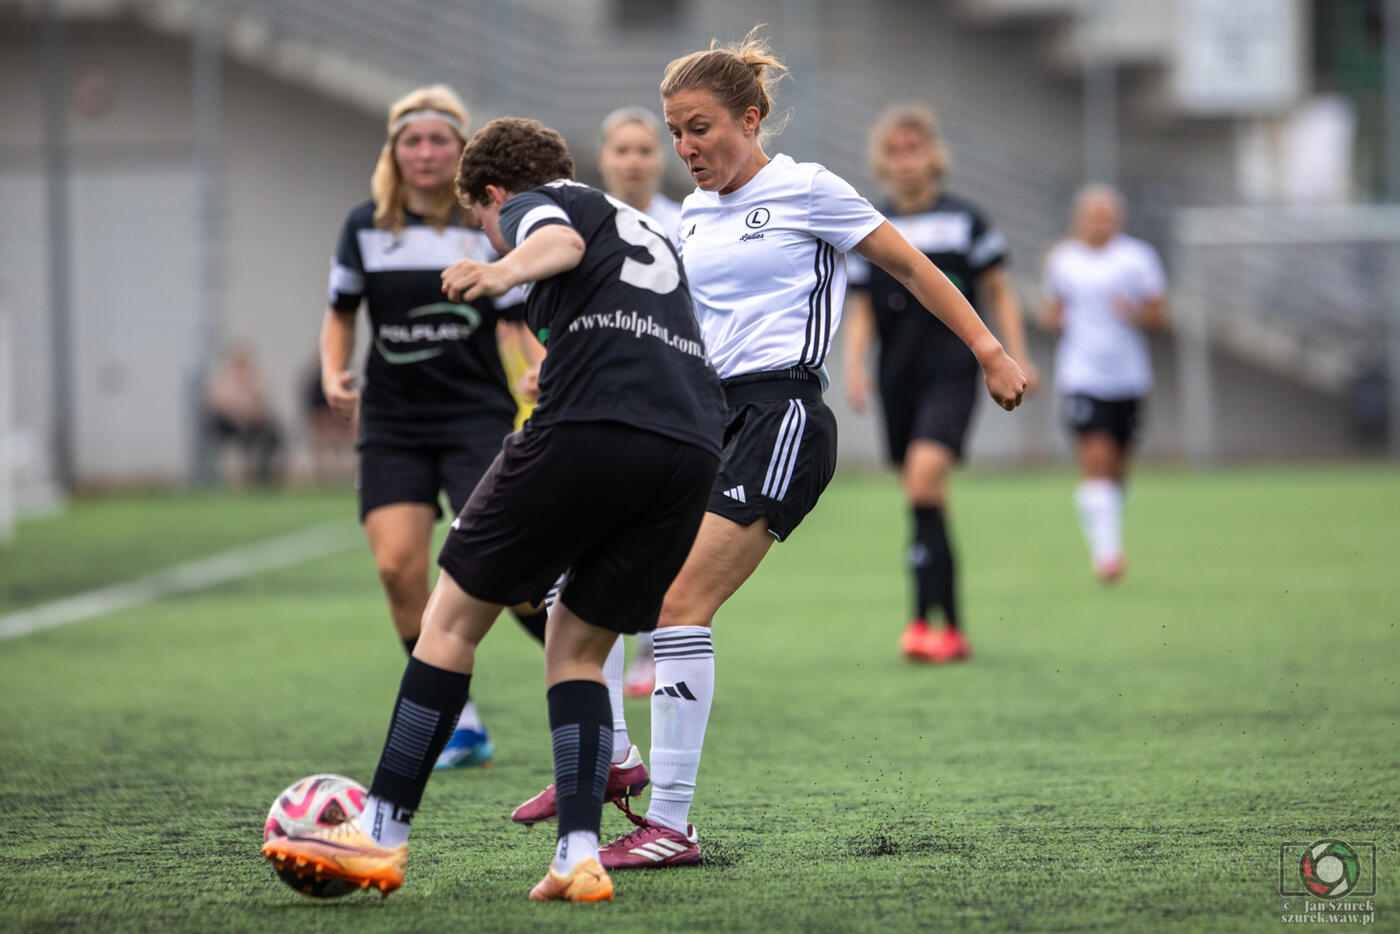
column 607, row 483
column 436, row 404
column 928, row 379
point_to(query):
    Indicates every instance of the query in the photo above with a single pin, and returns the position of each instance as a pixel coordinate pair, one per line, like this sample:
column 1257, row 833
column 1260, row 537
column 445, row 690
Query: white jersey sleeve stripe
column 344, row 281
column 535, row 216
column 989, row 248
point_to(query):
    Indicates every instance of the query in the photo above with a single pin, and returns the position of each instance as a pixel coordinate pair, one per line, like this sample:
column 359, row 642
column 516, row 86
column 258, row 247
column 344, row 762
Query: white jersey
column 767, row 265
column 667, row 213
column 1100, row 354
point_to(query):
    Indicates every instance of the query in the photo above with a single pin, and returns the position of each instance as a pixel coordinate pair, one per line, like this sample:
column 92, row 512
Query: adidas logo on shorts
column 736, row 493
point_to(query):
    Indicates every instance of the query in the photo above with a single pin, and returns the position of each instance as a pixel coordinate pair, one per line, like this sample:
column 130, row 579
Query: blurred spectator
column 330, row 437
column 239, row 413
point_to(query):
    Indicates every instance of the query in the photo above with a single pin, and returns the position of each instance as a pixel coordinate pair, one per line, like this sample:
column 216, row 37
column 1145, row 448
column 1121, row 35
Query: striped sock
column 580, row 724
column 680, row 711
column 425, row 714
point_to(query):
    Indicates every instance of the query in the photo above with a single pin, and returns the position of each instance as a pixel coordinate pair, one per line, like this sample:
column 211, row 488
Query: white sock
column 680, row 710
column 1100, row 504
column 612, row 674
column 387, row 824
column 643, row 642
column 574, row 847
column 469, row 719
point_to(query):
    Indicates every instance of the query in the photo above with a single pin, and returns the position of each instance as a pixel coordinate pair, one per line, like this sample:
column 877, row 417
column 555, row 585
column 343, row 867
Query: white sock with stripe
column 680, row 711
column 612, row 674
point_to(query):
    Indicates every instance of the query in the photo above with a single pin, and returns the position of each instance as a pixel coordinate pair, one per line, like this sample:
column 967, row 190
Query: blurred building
column 173, row 174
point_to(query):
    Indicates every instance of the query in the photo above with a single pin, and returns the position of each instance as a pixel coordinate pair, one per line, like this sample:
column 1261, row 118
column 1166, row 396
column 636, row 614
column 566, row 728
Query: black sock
column 931, row 557
column 533, row 623
column 580, row 720
column 409, row 643
column 430, row 699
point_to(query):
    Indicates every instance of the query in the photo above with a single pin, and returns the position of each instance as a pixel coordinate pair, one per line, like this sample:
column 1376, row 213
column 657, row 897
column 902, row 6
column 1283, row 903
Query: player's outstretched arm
column 887, row 248
column 547, row 251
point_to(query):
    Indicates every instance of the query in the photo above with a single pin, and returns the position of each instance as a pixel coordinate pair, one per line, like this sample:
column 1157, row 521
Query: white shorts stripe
column 784, row 461
column 780, row 447
column 791, row 467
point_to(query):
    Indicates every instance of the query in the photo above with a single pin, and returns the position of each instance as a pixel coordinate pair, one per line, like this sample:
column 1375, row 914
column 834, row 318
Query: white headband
column 412, row 115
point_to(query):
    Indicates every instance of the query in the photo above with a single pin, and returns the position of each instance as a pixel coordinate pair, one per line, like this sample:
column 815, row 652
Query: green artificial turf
column 1127, row 759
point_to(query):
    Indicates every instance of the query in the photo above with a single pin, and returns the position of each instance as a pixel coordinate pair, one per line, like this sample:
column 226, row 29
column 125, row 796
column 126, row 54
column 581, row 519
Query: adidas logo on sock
column 736, row 493
column 675, row 690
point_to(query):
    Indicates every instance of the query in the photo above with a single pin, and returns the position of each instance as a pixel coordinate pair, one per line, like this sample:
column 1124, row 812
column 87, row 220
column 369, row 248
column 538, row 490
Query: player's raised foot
column 466, row 748
column 1110, row 569
column 626, row 779
column 342, row 852
column 948, row 645
column 651, row 846
column 640, row 679
column 587, row 883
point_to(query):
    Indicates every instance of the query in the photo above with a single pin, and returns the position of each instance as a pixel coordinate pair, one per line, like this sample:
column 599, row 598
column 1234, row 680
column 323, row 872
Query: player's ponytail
column 386, row 184
column 741, row 75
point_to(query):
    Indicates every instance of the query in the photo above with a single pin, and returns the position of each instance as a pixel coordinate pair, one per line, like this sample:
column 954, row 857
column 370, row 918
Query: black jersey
column 432, row 363
column 915, row 346
column 619, row 327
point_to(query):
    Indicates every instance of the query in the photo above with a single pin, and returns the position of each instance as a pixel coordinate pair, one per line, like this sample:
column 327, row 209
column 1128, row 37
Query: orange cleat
column 342, row 852
column 913, row 645
column 587, row 883
column 922, row 644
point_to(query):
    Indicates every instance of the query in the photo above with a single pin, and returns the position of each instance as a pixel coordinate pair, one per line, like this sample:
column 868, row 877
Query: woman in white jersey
column 629, row 159
column 1102, row 289
column 763, row 241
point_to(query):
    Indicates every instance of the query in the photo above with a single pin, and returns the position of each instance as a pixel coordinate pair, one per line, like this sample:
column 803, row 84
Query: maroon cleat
column 625, row 780
column 651, row 846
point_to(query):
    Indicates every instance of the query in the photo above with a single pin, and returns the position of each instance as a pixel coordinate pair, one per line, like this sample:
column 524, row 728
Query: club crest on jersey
column 757, row 218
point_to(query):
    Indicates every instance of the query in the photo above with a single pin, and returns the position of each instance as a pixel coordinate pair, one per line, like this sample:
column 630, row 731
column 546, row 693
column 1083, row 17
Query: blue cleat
column 466, row 748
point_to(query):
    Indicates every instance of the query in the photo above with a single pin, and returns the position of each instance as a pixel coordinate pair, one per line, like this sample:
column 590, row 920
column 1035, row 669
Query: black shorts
column 779, row 452
column 939, row 410
column 615, row 506
column 392, row 472
column 1117, row 417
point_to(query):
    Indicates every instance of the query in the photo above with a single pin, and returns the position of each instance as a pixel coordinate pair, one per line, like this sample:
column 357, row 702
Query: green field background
column 1125, row 759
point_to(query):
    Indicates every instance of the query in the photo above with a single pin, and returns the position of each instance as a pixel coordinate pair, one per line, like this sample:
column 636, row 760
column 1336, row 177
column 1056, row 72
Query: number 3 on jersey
column 661, row 275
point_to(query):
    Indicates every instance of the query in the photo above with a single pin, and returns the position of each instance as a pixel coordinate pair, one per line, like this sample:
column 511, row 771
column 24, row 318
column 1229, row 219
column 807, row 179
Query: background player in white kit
column 1102, row 289
column 928, row 378
column 763, row 242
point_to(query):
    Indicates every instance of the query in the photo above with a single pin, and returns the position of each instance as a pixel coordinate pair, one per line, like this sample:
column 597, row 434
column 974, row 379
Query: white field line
column 236, row 563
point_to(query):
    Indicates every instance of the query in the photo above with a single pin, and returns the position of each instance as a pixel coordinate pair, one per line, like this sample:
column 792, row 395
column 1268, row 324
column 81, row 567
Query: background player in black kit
column 436, row 402
column 929, row 380
column 608, row 480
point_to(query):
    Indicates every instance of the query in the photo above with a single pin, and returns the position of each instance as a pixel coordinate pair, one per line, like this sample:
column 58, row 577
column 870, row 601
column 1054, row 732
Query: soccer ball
column 313, row 803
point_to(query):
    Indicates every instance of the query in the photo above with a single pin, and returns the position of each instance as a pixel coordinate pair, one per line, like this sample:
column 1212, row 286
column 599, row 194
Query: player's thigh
column 400, row 535
column 723, row 556
column 574, row 649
